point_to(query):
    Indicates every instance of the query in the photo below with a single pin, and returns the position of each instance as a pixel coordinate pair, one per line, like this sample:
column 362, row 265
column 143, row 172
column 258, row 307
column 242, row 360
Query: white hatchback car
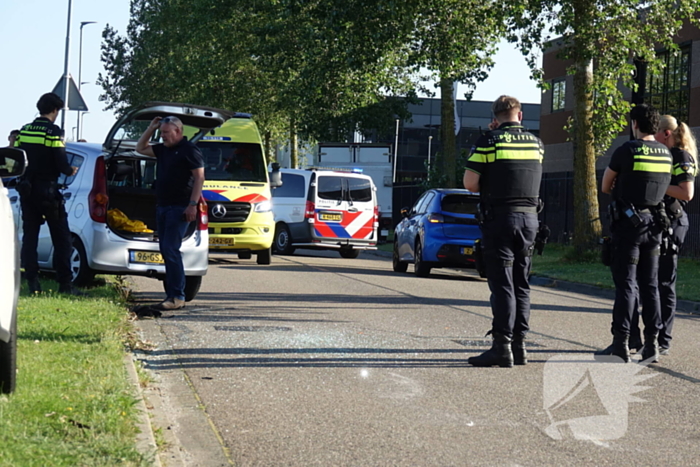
column 12, row 164
column 111, row 202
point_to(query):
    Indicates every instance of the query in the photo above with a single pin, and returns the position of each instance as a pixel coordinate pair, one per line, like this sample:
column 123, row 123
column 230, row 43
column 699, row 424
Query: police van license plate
column 467, row 250
column 147, row 257
column 221, row 240
column 330, row 216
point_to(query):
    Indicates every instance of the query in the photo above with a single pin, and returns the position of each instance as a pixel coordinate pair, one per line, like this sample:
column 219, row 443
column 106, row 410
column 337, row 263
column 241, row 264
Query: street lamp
column 80, row 68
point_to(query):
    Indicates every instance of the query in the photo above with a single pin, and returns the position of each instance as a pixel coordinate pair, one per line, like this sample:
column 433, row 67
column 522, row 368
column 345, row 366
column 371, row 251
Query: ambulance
column 325, row 208
column 237, row 190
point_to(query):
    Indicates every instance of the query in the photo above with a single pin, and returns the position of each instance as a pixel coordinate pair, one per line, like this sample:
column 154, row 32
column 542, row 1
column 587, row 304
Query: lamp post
column 80, row 69
column 82, row 115
column 430, row 143
column 65, row 68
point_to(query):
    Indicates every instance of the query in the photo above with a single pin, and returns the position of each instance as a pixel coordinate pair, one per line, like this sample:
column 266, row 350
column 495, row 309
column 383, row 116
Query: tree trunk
column 587, row 227
column 293, row 143
column 447, row 132
column 269, row 150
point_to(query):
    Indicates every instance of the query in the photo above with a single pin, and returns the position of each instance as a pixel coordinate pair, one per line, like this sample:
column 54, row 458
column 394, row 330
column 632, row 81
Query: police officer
column 39, row 196
column 505, row 167
column 637, row 177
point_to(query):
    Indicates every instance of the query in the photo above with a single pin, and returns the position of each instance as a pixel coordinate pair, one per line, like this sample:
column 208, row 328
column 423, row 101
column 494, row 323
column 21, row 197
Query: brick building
column 675, row 91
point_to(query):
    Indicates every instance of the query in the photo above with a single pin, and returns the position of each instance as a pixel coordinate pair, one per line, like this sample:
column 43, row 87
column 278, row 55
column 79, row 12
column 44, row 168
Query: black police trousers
column 507, row 240
column 37, row 208
column 668, row 265
column 635, row 271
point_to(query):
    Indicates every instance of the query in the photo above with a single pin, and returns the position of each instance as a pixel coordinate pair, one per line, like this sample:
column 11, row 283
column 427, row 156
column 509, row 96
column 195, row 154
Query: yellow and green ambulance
column 237, row 189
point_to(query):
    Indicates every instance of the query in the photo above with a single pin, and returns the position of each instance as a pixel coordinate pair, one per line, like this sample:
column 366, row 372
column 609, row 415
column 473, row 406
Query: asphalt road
column 319, row 360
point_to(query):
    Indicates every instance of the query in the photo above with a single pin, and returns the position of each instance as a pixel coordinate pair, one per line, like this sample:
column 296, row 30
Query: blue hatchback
column 438, row 232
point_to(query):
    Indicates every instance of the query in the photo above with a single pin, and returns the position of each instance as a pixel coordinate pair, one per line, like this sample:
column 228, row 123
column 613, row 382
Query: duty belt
column 508, row 209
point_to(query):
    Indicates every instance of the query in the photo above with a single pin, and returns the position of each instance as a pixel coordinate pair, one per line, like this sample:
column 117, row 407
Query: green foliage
column 438, row 177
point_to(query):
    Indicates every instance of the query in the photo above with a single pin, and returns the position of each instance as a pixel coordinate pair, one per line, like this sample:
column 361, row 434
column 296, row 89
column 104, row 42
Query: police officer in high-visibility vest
column 638, row 176
column 40, row 198
column 505, row 167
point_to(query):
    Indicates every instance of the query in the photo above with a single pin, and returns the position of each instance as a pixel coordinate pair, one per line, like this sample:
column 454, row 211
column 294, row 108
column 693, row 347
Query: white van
column 325, row 209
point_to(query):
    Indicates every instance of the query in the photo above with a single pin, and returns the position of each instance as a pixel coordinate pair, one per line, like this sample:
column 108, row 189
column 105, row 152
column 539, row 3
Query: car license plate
column 330, row 216
column 467, row 250
column 222, row 240
column 149, row 257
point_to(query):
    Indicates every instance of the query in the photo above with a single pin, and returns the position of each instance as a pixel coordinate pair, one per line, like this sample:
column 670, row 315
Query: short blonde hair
column 505, row 104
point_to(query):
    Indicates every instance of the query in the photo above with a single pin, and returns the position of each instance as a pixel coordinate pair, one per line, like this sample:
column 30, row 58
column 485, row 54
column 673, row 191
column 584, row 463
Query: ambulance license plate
column 145, row 257
column 467, row 250
column 222, row 241
column 330, row 216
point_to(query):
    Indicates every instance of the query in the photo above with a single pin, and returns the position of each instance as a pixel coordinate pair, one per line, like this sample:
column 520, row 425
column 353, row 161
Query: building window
column 558, row 95
column 669, row 90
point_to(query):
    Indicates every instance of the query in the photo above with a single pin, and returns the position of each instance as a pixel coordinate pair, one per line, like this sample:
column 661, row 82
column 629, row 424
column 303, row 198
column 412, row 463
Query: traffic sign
column 75, row 99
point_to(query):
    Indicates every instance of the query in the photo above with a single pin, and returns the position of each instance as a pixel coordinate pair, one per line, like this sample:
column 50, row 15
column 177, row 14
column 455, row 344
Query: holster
column 541, row 238
column 673, row 208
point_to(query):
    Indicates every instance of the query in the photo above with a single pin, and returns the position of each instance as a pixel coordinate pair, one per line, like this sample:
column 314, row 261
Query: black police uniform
column 41, row 201
column 643, row 174
column 509, row 162
column 684, row 170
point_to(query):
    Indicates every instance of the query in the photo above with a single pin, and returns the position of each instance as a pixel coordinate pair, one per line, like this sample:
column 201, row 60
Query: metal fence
column 557, row 192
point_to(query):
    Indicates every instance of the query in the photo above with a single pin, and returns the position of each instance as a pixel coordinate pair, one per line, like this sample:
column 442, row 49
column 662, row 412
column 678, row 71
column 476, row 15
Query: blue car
column 439, row 231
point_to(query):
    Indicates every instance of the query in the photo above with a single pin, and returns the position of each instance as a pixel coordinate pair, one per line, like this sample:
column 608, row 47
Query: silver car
column 12, row 164
column 111, row 202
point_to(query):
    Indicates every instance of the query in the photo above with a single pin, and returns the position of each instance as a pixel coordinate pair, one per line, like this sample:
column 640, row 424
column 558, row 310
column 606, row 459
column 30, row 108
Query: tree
column 456, row 39
column 602, row 38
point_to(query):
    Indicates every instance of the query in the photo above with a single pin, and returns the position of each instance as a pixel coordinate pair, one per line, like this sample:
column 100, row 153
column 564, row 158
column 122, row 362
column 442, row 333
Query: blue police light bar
column 357, row 170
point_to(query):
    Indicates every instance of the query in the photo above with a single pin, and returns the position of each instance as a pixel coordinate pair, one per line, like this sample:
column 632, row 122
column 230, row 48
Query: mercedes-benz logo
column 218, row 211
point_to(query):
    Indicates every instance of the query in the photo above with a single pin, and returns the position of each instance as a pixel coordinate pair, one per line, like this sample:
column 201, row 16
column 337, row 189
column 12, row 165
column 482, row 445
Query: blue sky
column 33, row 38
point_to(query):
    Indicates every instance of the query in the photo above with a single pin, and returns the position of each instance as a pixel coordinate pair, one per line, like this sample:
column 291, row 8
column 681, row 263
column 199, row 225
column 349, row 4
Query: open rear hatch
column 131, row 177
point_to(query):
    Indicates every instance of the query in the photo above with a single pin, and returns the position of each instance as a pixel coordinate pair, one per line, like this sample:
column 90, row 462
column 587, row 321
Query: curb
column 145, row 439
column 687, row 306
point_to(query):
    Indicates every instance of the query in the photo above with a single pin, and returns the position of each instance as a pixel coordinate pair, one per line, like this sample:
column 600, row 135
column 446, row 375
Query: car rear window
column 360, row 189
column 345, row 188
column 459, row 204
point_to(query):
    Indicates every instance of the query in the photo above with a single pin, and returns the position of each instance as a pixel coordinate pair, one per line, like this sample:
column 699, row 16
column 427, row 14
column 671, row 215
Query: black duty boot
column 619, row 347
column 500, row 353
column 650, row 349
column 635, row 344
column 34, row 286
column 519, row 351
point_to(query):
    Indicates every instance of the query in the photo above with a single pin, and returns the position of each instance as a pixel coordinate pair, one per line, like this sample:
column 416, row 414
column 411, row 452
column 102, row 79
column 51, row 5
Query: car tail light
column 98, row 199
column 376, row 216
column 435, row 218
column 310, row 210
column 202, row 218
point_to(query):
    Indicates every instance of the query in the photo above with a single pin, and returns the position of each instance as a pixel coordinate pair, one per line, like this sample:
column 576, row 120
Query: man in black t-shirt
column 179, row 180
column 637, row 177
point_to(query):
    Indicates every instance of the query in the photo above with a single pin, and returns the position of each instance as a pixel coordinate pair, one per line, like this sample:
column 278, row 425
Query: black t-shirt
column 684, row 170
column 509, row 162
column 174, row 180
column 643, row 172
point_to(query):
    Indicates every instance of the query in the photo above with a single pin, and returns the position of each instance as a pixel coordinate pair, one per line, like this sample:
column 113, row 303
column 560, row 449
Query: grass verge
column 73, row 404
column 556, row 263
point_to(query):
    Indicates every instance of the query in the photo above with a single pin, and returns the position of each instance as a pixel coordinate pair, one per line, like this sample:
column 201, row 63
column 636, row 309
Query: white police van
column 325, row 209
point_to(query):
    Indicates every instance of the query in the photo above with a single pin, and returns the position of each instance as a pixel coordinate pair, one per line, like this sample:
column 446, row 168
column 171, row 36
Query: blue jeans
column 171, row 230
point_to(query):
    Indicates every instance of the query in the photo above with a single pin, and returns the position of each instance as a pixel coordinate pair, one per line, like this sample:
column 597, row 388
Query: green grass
column 73, row 404
column 557, row 263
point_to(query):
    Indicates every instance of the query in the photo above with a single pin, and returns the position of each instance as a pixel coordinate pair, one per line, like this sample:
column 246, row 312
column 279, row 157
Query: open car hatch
column 197, row 121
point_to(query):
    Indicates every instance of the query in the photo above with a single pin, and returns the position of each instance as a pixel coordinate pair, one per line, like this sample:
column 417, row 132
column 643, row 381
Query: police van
column 325, row 209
